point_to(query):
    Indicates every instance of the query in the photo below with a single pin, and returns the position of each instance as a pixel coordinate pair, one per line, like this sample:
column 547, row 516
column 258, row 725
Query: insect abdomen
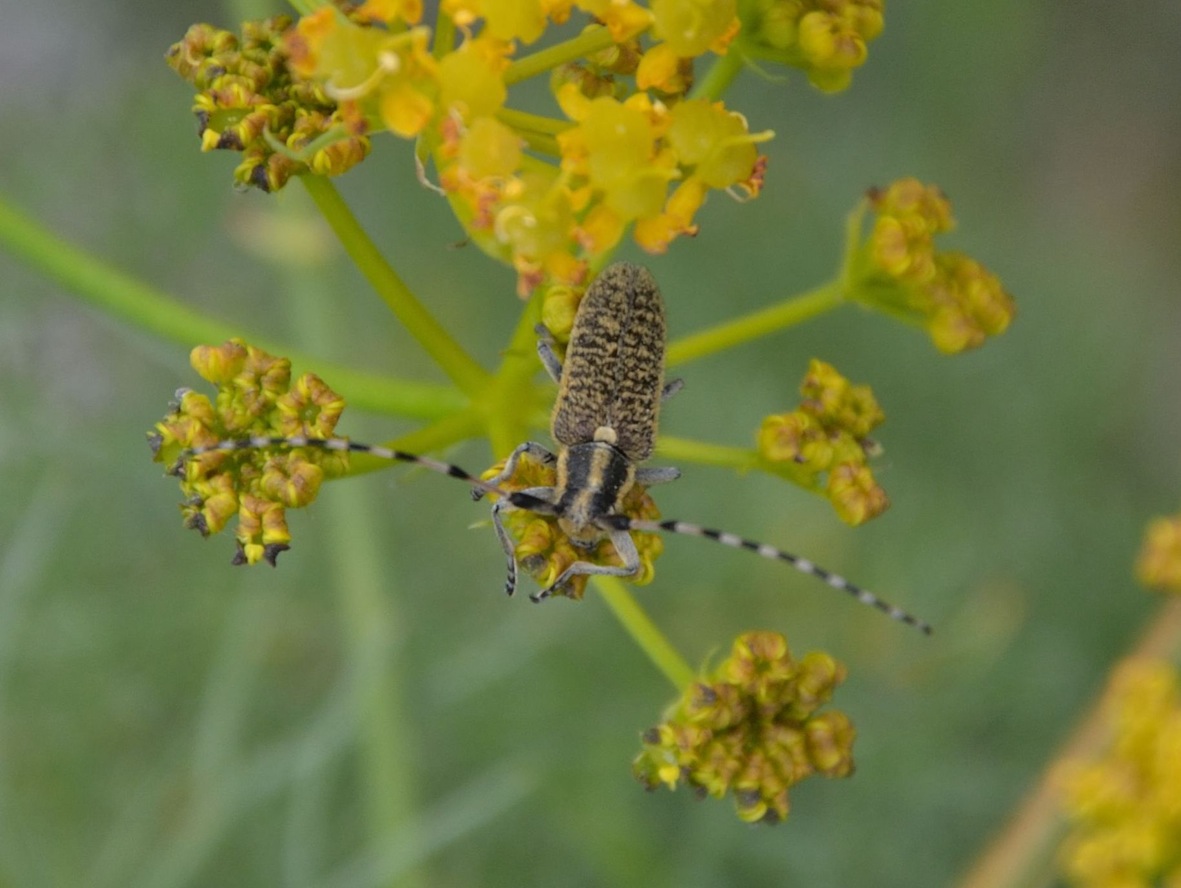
column 614, row 368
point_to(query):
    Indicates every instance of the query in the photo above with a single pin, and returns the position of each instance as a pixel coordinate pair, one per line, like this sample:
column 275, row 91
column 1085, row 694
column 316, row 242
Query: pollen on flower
column 824, row 444
column 544, row 551
column 750, row 727
column 255, row 397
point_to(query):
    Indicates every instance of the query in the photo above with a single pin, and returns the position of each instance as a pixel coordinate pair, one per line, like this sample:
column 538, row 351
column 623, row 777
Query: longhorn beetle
column 605, row 418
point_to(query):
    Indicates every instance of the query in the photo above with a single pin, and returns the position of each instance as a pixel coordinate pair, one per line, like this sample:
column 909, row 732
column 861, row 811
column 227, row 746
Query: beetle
column 605, row 419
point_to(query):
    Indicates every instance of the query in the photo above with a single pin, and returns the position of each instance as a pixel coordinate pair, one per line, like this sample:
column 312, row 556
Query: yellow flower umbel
column 255, row 396
column 751, row 728
column 897, row 269
column 249, row 101
column 544, row 551
column 824, row 444
column 1125, row 808
column 548, row 196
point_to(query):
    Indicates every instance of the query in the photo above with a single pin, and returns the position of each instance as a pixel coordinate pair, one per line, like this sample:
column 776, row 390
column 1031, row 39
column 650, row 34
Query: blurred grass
column 168, row 720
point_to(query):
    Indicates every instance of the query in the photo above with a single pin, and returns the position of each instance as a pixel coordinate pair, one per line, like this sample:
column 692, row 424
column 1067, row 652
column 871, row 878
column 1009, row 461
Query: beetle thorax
column 592, row 480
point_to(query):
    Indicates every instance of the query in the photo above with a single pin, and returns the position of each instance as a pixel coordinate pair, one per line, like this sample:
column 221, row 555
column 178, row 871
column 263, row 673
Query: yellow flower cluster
column 247, row 101
column 255, row 396
column 825, row 444
column 751, row 728
column 1159, row 563
column 624, row 157
column 1125, row 808
column 544, row 551
column 899, row 270
column 826, row 38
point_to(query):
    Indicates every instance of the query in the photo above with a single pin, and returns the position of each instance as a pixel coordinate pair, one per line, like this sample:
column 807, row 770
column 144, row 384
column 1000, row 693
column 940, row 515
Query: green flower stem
column 128, row 299
column 463, row 370
column 590, row 41
column 541, row 143
column 793, row 311
column 645, row 633
column 444, row 40
column 762, row 53
column 510, row 401
column 534, row 123
column 538, row 132
column 720, row 75
column 854, row 227
column 407, row 398
column 741, row 459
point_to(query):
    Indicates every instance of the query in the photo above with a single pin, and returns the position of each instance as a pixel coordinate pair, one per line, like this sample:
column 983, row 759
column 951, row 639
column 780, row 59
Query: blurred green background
column 167, row 720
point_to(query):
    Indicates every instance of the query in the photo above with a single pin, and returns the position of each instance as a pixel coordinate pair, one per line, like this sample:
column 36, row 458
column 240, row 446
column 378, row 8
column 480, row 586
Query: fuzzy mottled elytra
column 613, row 374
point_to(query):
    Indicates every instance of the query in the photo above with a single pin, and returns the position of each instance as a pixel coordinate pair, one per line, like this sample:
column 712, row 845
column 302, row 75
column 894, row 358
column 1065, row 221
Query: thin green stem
column 463, row 370
column 590, row 41
column 119, row 295
column 535, row 123
column 759, row 52
column 645, row 633
column 538, row 132
column 720, row 75
column 444, row 36
column 741, row 459
column 541, row 143
column 757, row 324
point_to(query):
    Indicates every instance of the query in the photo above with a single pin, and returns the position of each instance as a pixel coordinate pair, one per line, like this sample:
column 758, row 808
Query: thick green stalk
column 683, row 450
column 444, row 40
column 644, row 632
column 535, row 123
column 121, row 296
column 720, row 75
column 590, row 41
column 463, row 370
column 757, row 324
column 538, row 132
